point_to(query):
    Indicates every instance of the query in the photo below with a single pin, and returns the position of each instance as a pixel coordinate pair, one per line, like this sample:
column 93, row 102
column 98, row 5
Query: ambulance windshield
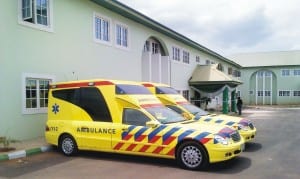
column 165, row 115
column 194, row 109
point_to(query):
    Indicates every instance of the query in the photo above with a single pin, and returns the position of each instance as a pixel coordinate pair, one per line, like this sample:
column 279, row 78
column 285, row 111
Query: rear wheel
column 68, row 145
column 191, row 155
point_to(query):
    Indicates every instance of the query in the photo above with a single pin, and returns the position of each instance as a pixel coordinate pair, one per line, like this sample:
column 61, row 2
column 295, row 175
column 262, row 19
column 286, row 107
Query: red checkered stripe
column 161, row 140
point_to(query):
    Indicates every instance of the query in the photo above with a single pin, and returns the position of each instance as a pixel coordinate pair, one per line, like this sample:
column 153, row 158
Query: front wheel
column 191, row 155
column 68, row 145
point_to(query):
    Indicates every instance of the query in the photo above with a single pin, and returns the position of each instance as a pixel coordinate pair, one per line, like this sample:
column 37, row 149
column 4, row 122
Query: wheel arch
column 191, row 140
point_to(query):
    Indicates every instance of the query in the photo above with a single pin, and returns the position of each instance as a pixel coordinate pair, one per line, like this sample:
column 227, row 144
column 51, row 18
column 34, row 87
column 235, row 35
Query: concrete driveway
column 273, row 154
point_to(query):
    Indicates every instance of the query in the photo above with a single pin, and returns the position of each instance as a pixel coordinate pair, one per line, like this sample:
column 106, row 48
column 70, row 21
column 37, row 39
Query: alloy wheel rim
column 67, row 146
column 191, row 156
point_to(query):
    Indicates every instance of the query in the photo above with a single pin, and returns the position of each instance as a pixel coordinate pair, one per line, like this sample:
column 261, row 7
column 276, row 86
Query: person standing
column 239, row 105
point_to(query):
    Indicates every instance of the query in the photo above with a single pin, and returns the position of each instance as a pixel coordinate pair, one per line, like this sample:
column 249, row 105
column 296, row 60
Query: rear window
column 89, row 99
column 131, row 89
column 165, row 90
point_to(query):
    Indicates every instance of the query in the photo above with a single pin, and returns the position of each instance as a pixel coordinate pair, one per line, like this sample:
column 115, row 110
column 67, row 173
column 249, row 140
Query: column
column 233, row 101
column 225, row 101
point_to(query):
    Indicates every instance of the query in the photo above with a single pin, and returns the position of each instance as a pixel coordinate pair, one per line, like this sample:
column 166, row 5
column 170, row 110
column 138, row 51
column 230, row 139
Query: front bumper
column 248, row 135
column 225, row 152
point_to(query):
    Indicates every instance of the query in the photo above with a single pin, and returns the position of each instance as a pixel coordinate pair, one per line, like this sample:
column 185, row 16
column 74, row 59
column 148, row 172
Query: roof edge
column 138, row 17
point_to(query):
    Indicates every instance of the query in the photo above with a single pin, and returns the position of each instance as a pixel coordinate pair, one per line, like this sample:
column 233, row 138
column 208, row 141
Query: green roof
column 138, row 17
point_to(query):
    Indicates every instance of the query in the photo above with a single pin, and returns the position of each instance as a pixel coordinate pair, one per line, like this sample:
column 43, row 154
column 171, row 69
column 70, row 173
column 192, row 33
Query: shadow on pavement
column 252, row 147
column 235, row 165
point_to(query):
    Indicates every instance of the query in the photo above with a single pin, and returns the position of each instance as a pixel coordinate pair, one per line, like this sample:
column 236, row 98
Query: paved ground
column 273, row 154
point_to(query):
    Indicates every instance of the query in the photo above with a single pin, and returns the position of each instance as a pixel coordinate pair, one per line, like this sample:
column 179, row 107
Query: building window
column 185, row 57
column 36, row 13
column 101, row 28
column 260, row 93
column 251, row 92
column 260, row 74
column 35, row 93
column 176, row 53
column 268, row 74
column 296, row 93
column 236, row 73
column 267, row 93
column 297, row 72
column 147, row 46
column 207, row 62
column 285, row 72
column 220, row 67
column 229, row 71
column 197, row 59
column 155, row 48
column 284, row 93
column 186, row 94
column 122, row 35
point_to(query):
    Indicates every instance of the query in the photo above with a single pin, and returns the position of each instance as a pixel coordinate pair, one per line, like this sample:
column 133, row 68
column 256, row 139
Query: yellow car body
column 172, row 99
column 124, row 117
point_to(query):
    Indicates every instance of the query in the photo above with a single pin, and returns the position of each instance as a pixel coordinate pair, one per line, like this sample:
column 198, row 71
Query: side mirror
column 152, row 124
column 186, row 115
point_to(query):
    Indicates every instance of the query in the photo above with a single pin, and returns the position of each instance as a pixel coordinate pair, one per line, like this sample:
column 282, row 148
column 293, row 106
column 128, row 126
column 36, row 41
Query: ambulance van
column 124, row 117
column 172, row 99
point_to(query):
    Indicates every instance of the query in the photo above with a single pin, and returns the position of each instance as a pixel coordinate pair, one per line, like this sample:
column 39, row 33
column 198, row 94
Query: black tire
column 191, row 155
column 67, row 145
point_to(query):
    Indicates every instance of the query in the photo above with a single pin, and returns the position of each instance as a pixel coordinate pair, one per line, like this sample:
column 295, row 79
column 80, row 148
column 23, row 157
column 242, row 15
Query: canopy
column 209, row 79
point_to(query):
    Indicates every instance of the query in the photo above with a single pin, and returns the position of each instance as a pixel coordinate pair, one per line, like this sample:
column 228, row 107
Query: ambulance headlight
column 242, row 127
column 220, row 139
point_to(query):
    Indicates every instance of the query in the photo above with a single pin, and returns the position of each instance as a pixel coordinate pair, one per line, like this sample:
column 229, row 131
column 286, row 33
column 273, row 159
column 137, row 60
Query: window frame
column 284, row 74
column 35, row 25
column 176, row 51
column 37, row 77
column 296, row 93
column 229, row 70
column 281, row 93
column 198, row 59
column 296, row 72
column 123, row 26
column 260, row 93
column 103, row 18
column 124, row 116
column 185, row 57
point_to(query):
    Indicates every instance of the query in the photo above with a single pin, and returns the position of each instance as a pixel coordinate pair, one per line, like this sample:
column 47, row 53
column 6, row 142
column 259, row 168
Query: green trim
column 33, row 151
column 4, row 157
column 138, row 17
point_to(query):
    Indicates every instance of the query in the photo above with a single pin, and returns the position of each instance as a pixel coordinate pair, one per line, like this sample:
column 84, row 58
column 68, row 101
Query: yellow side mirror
column 186, row 115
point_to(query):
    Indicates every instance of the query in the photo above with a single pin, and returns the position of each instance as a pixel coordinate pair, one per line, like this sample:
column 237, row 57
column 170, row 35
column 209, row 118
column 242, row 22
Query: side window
column 134, row 117
column 93, row 102
column 70, row 95
column 90, row 99
column 175, row 108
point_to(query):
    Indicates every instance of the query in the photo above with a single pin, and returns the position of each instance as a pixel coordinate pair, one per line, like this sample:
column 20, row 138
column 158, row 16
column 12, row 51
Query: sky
column 229, row 26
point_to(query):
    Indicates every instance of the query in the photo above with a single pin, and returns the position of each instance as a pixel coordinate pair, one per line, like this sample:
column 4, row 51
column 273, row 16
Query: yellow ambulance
column 172, row 99
column 124, row 117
